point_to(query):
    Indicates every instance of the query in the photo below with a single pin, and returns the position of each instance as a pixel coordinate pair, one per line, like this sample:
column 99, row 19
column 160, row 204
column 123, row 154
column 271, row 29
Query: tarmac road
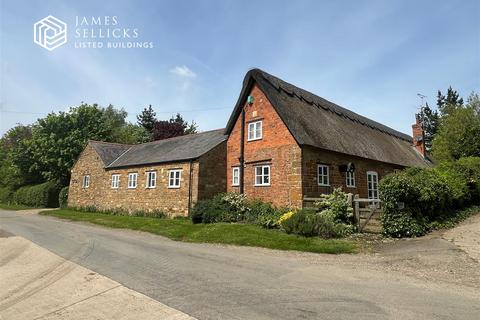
column 225, row 282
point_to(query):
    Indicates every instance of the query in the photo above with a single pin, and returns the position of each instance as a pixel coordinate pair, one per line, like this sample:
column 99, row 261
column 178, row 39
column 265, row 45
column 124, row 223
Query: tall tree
column 430, row 122
column 167, row 129
column 446, row 104
column 188, row 128
column 458, row 134
column 147, row 119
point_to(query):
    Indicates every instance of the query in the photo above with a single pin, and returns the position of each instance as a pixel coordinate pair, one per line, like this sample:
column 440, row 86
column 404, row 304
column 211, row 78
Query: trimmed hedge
column 40, row 195
column 63, row 197
column 415, row 199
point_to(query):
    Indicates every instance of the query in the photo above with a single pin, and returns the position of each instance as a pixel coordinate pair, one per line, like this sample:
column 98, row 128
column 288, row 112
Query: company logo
column 50, row 33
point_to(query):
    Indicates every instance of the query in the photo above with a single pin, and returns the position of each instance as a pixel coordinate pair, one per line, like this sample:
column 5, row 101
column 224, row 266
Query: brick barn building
column 168, row 175
column 286, row 144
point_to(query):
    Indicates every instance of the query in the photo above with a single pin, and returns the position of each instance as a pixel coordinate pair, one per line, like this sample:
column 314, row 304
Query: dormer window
column 255, row 130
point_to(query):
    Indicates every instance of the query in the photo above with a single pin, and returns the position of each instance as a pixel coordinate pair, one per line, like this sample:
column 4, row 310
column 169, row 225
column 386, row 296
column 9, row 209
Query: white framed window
column 115, row 181
column 86, row 181
column 372, row 185
column 151, row 179
column 174, row 177
column 323, row 175
column 262, row 176
column 350, row 176
column 254, row 130
column 132, row 180
column 235, row 176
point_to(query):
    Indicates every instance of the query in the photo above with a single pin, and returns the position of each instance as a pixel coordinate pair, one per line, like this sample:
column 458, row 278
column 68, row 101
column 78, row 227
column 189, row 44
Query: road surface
column 226, row 282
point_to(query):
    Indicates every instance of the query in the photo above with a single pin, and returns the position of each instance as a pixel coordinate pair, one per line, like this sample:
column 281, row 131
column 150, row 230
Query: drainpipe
column 190, row 188
column 241, row 158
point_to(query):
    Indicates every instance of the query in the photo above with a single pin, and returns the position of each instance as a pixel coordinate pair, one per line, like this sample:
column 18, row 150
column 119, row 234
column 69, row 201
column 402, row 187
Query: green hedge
column 40, row 195
column 6, row 195
column 415, row 199
column 63, row 197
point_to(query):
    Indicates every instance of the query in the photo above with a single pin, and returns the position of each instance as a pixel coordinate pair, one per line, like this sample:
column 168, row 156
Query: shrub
column 233, row 207
column 309, row 223
column 40, row 195
column 224, row 207
column 336, row 205
column 263, row 214
column 429, row 196
column 63, row 197
column 405, row 223
column 6, row 195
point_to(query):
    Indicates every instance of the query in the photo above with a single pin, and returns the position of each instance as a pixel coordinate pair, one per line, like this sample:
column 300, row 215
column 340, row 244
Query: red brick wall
column 212, row 174
column 311, row 157
column 277, row 148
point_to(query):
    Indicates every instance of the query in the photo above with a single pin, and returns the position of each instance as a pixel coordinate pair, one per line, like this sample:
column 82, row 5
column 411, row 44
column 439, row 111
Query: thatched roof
column 188, row 147
column 317, row 122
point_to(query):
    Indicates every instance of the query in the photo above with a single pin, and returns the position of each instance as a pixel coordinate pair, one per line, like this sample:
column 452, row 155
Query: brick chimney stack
column 418, row 135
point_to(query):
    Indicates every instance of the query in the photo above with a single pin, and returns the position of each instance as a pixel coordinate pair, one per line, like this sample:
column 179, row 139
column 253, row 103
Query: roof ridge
column 178, row 137
column 106, row 142
column 341, row 111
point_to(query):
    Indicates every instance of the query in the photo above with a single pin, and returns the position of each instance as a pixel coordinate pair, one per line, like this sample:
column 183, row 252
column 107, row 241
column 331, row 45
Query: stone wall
column 173, row 201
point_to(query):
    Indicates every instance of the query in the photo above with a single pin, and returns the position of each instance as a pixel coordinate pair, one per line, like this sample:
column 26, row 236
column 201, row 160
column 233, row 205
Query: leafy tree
column 132, row 134
column 147, row 119
column 474, row 102
column 449, row 103
column 58, row 139
column 167, row 129
column 188, row 128
column 458, row 134
column 430, row 122
column 15, row 158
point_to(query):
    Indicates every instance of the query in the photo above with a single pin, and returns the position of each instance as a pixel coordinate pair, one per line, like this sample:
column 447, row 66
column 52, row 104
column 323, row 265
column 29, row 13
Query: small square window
column 254, row 130
column 350, row 177
column 323, row 175
column 151, row 179
column 115, row 181
column 132, row 180
column 235, row 176
column 86, row 181
column 262, row 176
column 174, row 177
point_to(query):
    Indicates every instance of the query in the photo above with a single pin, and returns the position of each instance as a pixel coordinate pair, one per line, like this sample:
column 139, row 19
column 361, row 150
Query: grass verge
column 224, row 233
column 7, row 206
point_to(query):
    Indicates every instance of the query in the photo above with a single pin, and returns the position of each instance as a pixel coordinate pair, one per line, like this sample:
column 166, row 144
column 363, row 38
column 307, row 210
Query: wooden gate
column 367, row 213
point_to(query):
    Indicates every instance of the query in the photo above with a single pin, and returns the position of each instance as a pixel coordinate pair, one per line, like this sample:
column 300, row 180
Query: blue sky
column 372, row 57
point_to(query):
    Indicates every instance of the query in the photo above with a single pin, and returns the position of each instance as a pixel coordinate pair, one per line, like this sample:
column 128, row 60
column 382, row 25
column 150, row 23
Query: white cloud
column 184, row 72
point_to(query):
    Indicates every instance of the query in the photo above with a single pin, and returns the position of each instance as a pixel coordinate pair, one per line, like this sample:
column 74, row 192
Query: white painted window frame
column 255, row 130
column 237, row 176
column 262, row 175
column 370, row 188
column 115, row 181
column 350, row 179
column 86, row 181
column 173, row 179
column 151, row 183
column 132, row 180
column 321, row 175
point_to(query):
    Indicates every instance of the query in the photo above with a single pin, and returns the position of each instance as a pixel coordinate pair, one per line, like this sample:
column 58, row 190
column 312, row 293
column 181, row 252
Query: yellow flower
column 285, row 216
